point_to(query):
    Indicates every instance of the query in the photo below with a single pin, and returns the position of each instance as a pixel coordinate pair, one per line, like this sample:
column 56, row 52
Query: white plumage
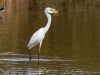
column 36, row 38
column 39, row 35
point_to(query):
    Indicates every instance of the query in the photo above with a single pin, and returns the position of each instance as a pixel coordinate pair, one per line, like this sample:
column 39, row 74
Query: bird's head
column 51, row 10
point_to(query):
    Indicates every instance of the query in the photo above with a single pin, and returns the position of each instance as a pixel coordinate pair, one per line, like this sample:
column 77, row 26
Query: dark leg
column 29, row 54
column 38, row 57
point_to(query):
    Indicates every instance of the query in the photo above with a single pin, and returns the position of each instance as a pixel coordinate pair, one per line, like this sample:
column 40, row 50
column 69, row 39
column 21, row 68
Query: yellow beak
column 54, row 12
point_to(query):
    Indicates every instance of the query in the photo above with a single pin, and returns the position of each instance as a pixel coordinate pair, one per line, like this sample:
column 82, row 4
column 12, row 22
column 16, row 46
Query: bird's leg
column 29, row 54
column 38, row 57
column 39, row 51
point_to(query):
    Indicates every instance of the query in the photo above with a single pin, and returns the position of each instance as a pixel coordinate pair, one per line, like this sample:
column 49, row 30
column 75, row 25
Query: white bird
column 39, row 35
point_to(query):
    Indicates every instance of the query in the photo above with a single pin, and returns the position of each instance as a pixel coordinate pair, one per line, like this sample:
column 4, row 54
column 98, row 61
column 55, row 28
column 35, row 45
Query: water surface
column 71, row 45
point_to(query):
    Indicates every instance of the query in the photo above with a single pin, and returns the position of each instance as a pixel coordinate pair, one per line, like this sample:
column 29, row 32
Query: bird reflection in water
column 2, row 19
column 33, row 71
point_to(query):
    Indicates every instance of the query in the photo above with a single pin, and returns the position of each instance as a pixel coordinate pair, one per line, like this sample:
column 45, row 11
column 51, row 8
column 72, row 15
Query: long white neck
column 48, row 23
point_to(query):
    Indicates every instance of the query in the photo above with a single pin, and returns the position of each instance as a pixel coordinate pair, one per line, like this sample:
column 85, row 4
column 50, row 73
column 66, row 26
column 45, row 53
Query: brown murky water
column 71, row 46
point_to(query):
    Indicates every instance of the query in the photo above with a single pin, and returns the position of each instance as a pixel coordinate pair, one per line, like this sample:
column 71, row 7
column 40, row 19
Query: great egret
column 39, row 35
column 2, row 9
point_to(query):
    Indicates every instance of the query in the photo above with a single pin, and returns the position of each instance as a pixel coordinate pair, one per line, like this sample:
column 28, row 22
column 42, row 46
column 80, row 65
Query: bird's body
column 2, row 9
column 36, row 38
column 39, row 35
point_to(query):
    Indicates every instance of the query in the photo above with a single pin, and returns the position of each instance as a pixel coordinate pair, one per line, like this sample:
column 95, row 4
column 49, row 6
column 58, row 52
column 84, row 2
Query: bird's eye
column 50, row 9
